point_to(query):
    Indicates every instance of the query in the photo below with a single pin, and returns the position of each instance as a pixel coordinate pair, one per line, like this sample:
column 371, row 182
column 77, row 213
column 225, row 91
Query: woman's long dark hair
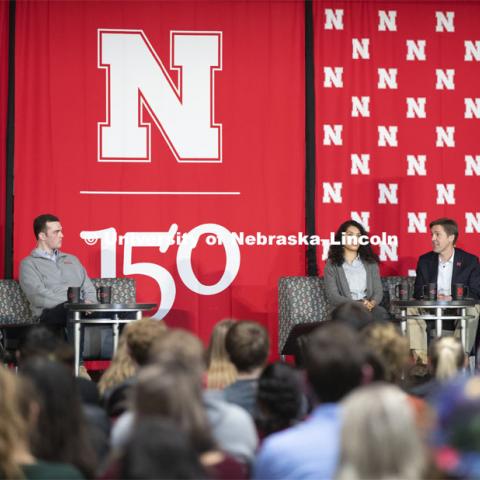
column 158, row 449
column 335, row 252
column 60, row 434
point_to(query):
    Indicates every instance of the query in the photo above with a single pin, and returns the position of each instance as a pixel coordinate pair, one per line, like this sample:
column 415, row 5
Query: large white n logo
column 137, row 80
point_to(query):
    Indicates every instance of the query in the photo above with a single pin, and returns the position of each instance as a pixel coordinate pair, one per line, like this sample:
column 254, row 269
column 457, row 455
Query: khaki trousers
column 417, row 331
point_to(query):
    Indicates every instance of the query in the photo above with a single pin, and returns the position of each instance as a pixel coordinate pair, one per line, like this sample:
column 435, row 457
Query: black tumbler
column 74, row 294
column 104, row 294
column 402, row 290
column 430, row 291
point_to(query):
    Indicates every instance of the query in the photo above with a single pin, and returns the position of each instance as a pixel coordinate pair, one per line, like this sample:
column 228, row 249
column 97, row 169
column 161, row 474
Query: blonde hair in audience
column 140, row 337
column 379, row 438
column 121, row 368
column 447, row 357
column 390, row 347
column 13, row 427
column 221, row 371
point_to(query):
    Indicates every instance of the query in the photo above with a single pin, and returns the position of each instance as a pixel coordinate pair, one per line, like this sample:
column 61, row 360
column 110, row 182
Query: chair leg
column 3, row 343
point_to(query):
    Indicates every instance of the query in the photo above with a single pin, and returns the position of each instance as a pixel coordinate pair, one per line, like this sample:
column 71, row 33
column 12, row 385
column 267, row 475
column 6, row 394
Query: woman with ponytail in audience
column 18, row 412
column 447, row 358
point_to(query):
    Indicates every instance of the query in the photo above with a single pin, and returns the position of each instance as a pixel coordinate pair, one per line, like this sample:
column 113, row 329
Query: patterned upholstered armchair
column 303, row 300
column 300, row 300
column 123, row 289
column 15, row 310
column 14, row 313
column 14, row 306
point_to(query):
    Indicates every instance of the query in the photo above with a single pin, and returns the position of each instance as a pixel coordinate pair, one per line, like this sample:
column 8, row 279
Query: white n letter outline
column 137, row 80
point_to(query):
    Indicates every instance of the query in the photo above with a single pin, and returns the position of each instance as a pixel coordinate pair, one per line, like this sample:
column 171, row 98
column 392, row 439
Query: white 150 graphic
column 163, row 240
column 137, row 80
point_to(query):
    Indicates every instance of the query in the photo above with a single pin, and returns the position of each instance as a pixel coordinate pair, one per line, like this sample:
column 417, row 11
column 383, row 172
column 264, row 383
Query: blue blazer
column 466, row 270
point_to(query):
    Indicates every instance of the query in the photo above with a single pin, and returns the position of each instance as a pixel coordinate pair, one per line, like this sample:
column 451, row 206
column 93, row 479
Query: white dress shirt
column 356, row 278
column 444, row 279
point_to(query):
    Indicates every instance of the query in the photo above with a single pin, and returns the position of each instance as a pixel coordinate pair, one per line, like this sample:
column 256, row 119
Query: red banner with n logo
column 140, row 122
column 398, row 118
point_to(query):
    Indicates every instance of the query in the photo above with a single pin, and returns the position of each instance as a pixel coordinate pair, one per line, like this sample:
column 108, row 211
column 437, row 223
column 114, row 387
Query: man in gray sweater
column 46, row 274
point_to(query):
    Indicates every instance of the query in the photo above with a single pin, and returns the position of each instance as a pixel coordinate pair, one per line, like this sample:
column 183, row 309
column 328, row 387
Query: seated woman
column 351, row 271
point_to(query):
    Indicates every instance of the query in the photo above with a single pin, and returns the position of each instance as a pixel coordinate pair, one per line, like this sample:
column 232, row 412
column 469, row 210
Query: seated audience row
column 351, row 412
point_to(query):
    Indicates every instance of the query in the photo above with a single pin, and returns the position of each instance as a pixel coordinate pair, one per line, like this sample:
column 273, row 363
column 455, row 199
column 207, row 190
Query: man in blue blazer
column 445, row 266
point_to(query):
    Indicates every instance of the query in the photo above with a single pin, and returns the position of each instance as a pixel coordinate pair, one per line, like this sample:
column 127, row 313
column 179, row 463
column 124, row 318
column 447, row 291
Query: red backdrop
column 61, row 96
column 449, row 30
column 397, row 117
column 4, row 12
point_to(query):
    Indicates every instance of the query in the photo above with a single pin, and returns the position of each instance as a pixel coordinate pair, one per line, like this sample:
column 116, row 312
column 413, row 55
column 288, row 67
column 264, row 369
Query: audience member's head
column 38, row 341
column 221, row 371
column 447, row 357
column 352, row 314
column 182, row 349
column 157, row 449
column 121, row 367
column 140, row 336
column 172, row 392
column 247, row 344
column 334, row 361
column 13, row 426
column 389, row 346
column 279, row 398
column 60, row 434
column 65, row 354
column 379, row 438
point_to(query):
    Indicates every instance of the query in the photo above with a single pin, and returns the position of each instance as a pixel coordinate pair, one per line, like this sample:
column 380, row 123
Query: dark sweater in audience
column 116, row 399
column 426, row 390
column 98, row 422
column 243, row 393
column 51, row 471
column 88, row 391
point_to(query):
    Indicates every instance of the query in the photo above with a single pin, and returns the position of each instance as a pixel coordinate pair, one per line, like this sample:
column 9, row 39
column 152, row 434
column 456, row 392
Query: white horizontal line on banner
column 112, row 192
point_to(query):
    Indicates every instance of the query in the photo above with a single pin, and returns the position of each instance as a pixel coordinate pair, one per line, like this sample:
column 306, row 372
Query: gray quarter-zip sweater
column 45, row 282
